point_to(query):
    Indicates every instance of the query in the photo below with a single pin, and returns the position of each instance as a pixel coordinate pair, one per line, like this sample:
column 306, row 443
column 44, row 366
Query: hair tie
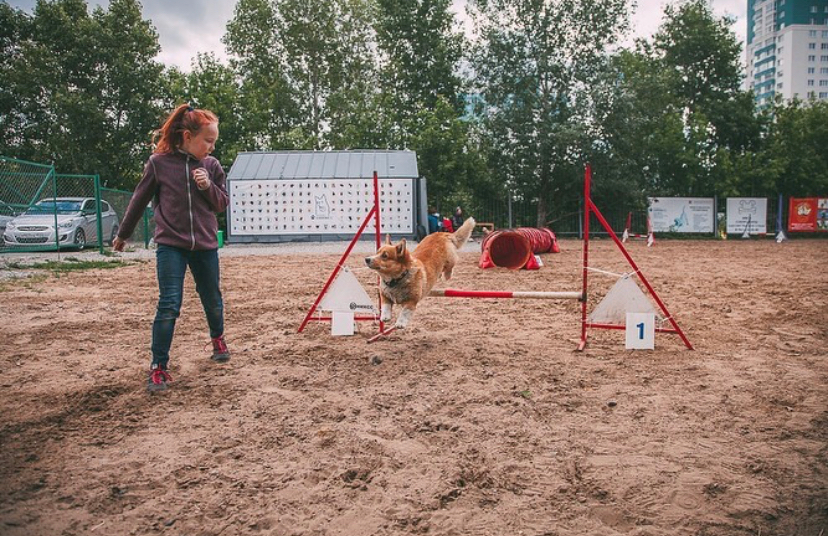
column 189, row 108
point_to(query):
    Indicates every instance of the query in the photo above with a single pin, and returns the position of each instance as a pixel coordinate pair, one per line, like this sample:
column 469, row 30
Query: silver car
column 77, row 223
column 7, row 213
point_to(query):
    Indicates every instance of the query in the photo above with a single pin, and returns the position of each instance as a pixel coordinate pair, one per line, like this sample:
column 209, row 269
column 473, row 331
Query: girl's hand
column 118, row 243
column 201, row 178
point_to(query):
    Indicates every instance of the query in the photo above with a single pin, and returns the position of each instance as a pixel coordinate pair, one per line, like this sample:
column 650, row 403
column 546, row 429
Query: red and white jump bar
column 517, row 294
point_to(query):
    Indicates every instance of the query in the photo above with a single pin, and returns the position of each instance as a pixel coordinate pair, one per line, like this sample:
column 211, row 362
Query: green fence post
column 98, row 210
column 54, row 206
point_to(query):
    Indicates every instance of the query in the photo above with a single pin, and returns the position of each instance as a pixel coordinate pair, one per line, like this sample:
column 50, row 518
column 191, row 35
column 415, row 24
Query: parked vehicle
column 77, row 223
column 7, row 213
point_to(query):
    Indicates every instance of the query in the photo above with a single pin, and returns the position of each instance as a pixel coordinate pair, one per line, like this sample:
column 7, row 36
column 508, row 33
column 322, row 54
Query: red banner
column 808, row 214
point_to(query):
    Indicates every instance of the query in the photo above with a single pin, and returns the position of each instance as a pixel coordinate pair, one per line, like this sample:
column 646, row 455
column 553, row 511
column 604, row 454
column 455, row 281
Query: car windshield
column 50, row 206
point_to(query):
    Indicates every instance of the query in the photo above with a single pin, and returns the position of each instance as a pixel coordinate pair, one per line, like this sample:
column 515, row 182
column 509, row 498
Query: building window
column 811, row 70
column 812, row 33
column 822, row 70
column 779, row 51
column 814, row 9
column 823, row 94
column 823, row 58
column 781, row 14
column 824, row 46
column 810, row 83
column 825, row 34
column 823, row 83
column 811, row 58
column 811, row 46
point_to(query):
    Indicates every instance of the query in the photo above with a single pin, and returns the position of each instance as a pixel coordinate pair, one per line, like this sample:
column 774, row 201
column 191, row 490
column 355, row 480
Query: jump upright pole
column 589, row 207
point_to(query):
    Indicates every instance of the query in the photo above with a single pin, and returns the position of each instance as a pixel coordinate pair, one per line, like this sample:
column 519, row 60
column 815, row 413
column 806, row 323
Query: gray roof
column 324, row 165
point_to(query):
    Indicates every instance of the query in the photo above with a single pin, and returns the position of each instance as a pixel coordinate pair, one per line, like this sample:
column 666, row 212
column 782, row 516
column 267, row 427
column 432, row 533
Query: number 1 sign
column 640, row 331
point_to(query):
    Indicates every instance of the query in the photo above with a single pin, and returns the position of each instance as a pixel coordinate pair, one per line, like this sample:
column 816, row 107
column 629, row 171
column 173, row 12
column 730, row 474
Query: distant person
column 435, row 222
column 457, row 219
column 188, row 189
column 447, row 225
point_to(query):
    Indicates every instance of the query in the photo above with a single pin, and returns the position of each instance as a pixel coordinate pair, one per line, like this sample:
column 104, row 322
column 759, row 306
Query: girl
column 187, row 187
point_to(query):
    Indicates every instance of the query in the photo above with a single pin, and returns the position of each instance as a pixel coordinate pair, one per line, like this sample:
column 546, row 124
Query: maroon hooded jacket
column 185, row 217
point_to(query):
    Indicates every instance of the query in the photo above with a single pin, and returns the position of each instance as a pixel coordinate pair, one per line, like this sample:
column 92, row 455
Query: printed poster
column 747, row 214
column 808, row 214
column 682, row 214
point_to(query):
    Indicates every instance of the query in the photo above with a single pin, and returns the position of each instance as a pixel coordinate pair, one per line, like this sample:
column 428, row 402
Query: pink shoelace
column 160, row 375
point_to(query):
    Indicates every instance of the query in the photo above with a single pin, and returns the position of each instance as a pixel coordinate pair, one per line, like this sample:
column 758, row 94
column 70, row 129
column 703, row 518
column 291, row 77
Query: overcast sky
column 187, row 27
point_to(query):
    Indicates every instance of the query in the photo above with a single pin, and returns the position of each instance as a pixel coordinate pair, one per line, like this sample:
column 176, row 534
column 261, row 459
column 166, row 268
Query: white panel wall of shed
column 323, row 195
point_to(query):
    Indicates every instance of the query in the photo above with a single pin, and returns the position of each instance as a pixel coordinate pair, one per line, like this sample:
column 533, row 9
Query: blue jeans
column 171, row 265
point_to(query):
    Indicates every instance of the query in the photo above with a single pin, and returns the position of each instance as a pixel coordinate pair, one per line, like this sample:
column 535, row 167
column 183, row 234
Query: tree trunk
column 542, row 212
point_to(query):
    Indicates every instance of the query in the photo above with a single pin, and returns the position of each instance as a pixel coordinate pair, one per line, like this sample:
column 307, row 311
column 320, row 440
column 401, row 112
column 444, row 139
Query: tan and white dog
column 406, row 277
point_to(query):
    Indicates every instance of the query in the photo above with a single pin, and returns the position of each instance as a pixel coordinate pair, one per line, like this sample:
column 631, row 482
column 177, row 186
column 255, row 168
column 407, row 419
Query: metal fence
column 41, row 210
column 509, row 214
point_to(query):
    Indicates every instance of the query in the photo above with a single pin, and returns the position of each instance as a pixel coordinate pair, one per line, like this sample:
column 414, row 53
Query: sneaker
column 158, row 378
column 220, row 352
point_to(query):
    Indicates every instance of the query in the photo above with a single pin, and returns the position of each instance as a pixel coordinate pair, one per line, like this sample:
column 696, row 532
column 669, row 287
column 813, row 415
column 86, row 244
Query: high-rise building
column 787, row 49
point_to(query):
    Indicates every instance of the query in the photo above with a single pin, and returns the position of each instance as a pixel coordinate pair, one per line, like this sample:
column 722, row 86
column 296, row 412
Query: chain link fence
column 41, row 210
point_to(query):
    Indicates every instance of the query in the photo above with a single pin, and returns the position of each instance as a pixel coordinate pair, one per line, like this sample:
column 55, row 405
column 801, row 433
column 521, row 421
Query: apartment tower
column 787, row 49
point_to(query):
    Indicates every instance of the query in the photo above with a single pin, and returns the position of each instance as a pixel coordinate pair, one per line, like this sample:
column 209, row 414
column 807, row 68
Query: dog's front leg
column 385, row 309
column 405, row 316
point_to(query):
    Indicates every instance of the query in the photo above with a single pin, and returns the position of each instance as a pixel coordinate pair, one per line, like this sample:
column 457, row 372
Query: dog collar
column 397, row 281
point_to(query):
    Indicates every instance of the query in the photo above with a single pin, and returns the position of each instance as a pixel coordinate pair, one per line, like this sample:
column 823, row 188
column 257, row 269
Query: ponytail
column 170, row 136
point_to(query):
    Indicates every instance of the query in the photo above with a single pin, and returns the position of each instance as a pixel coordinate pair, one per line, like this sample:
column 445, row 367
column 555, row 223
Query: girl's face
column 202, row 143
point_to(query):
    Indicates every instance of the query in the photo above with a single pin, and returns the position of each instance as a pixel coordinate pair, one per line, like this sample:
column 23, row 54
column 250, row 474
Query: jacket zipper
column 190, row 202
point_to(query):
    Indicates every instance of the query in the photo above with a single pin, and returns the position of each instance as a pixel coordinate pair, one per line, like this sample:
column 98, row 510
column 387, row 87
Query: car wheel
column 114, row 234
column 80, row 239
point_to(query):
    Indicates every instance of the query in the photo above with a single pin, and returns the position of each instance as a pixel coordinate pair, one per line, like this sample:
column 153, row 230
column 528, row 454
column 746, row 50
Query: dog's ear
column 401, row 248
column 388, row 240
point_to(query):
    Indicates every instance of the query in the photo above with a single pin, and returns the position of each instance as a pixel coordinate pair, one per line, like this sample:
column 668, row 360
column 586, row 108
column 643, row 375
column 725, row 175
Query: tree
column 270, row 104
column 85, row 88
column 703, row 120
column 420, row 53
column 796, row 150
column 537, row 69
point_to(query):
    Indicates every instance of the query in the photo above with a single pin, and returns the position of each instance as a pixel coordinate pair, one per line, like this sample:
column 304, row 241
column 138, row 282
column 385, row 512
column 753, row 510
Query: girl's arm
column 143, row 194
column 216, row 194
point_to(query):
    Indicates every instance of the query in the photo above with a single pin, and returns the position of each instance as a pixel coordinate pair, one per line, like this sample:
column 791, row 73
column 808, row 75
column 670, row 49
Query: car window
column 89, row 204
column 49, row 206
column 105, row 206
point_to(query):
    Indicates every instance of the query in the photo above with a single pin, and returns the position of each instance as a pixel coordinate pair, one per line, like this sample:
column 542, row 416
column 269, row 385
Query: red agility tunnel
column 514, row 248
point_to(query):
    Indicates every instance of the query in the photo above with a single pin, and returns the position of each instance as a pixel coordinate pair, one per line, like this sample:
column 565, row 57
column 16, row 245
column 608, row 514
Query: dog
column 406, row 278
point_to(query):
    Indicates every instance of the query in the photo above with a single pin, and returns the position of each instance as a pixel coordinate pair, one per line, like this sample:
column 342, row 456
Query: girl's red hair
column 170, row 136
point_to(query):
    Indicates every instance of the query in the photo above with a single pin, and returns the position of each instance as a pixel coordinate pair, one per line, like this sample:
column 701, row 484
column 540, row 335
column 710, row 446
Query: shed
column 285, row 196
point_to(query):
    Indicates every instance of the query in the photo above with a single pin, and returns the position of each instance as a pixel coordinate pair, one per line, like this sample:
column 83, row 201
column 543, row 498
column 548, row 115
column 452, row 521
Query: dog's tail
column 461, row 235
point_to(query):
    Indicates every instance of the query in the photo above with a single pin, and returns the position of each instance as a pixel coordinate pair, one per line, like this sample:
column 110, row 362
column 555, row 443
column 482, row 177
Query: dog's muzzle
column 368, row 261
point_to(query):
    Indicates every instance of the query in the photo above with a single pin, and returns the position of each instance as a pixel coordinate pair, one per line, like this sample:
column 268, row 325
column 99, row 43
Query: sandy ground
column 478, row 420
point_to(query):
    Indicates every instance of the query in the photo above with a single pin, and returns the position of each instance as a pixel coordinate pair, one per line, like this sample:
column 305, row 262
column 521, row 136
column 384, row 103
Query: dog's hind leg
column 448, row 267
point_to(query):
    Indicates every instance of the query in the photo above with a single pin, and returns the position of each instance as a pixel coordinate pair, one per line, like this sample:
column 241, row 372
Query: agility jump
column 586, row 324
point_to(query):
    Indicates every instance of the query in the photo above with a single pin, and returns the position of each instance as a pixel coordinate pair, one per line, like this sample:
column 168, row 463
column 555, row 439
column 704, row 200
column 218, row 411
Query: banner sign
column 682, row 214
column 747, row 214
column 809, row 214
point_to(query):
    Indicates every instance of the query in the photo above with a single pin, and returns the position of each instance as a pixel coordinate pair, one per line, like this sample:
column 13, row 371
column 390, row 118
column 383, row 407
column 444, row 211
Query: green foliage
column 83, row 91
column 538, row 67
column 84, row 87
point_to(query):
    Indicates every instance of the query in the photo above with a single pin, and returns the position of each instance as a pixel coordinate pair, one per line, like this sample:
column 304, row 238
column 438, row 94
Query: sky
column 187, row 27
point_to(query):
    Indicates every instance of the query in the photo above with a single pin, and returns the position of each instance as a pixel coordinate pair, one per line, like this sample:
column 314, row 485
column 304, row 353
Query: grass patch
column 72, row 264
